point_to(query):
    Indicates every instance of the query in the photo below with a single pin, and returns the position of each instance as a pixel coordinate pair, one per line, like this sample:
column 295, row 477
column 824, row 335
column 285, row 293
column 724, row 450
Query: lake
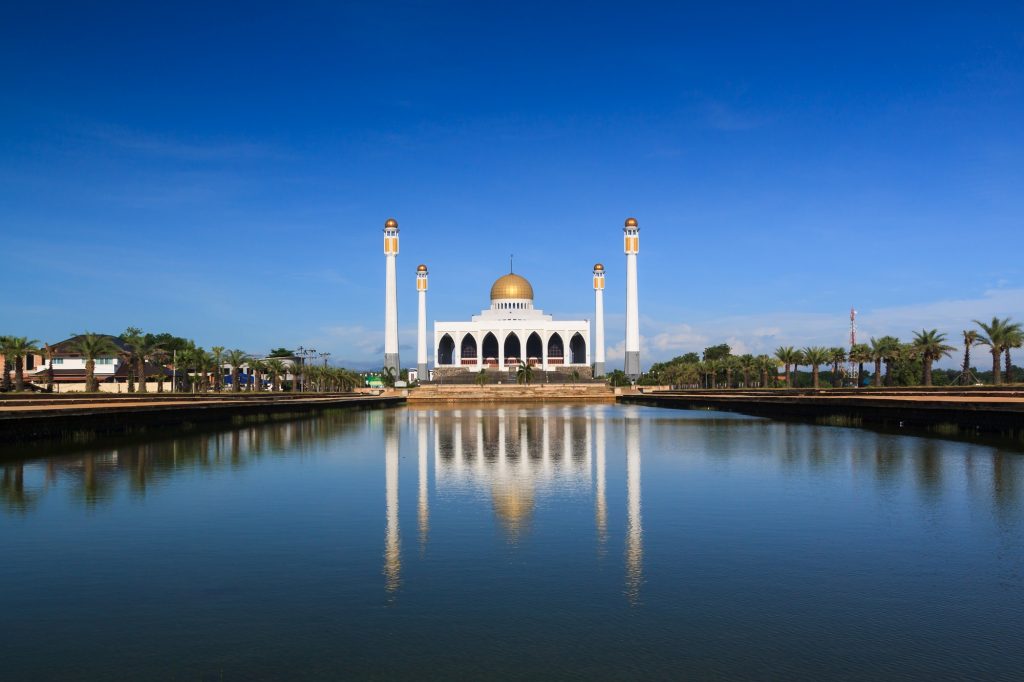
column 583, row 541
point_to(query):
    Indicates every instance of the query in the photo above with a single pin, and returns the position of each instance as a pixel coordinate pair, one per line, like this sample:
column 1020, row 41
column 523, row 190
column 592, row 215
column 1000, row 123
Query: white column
column 391, row 297
column 598, row 349
column 632, row 247
column 421, row 329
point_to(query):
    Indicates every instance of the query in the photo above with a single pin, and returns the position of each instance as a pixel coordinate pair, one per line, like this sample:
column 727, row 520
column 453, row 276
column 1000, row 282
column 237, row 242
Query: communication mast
column 854, row 373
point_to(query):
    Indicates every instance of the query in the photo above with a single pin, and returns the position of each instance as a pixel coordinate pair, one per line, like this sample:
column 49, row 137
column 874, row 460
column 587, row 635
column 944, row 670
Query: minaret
column 632, row 245
column 598, row 320
column 421, row 332
column 391, row 297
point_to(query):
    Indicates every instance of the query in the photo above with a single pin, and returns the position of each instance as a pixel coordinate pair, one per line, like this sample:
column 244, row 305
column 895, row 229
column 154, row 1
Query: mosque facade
column 512, row 331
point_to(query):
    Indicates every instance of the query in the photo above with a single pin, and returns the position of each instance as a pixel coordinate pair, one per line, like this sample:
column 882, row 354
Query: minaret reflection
column 423, row 508
column 392, row 540
column 600, row 502
column 634, row 533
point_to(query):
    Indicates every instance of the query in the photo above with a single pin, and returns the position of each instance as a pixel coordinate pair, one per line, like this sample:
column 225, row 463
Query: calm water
column 587, row 542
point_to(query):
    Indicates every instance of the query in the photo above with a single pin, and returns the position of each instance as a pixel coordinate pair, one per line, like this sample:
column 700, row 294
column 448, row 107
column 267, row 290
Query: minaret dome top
column 390, row 222
column 631, row 222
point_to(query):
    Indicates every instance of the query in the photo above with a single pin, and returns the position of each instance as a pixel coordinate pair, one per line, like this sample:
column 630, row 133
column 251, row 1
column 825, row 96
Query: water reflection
column 392, row 539
column 634, row 536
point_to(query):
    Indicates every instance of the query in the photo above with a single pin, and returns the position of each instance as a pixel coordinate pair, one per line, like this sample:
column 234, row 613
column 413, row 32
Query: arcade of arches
column 512, row 331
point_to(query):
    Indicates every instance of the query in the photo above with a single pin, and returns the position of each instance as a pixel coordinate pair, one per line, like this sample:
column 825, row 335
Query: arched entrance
column 513, row 349
column 578, row 350
column 534, row 349
column 468, row 350
column 556, row 350
column 489, row 349
column 446, row 351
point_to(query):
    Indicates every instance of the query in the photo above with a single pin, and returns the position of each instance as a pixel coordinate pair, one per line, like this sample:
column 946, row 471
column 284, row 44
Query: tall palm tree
column 1013, row 338
column 890, row 354
column 259, row 368
column 930, row 345
column 524, row 373
column 836, row 356
column 815, row 356
column 787, row 355
column 16, row 348
column 747, row 366
column 860, row 353
column 8, row 367
column 970, row 339
column 995, row 336
column 144, row 349
column 92, row 346
column 218, row 357
column 236, row 358
column 276, row 368
column 205, row 365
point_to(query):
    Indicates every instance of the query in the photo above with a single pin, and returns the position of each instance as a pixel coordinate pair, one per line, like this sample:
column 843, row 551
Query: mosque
column 512, row 331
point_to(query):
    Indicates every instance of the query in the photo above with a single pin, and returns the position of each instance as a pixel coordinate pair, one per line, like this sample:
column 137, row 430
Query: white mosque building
column 512, row 331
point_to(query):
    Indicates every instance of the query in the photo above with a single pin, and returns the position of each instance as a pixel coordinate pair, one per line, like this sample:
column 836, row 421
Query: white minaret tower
column 391, row 297
column 632, row 246
column 598, row 320
column 421, row 331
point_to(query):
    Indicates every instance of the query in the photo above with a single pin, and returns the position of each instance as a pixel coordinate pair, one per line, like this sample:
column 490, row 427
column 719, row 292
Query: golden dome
column 421, row 268
column 511, row 286
column 631, row 222
column 598, row 268
column 390, row 222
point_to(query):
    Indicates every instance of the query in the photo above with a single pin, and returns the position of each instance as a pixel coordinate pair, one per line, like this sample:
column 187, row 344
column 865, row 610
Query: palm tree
column 747, row 366
column 276, row 369
column 815, row 356
column 297, row 370
column 15, row 348
column 787, row 355
column 218, row 358
column 836, row 356
column 860, row 353
column 970, row 339
column 930, row 345
column 1013, row 338
column 995, row 337
column 524, row 373
column 890, row 346
column 481, row 377
column 259, row 368
column 764, row 365
column 48, row 350
column 6, row 386
column 144, row 348
column 236, row 358
column 91, row 346
column 388, row 376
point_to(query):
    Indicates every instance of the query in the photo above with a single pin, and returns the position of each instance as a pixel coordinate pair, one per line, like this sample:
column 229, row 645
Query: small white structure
column 512, row 331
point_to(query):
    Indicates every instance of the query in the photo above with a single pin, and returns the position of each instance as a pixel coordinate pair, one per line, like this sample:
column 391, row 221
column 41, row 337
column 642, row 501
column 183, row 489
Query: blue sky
column 224, row 172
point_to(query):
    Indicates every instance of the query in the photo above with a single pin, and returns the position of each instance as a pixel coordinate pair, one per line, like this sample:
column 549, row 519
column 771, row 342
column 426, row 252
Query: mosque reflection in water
column 510, row 457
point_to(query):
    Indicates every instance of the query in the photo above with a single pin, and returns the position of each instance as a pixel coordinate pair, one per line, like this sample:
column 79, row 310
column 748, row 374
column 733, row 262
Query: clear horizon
column 225, row 177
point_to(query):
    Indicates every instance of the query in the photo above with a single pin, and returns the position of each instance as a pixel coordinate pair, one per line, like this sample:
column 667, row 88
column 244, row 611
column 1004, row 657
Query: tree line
column 892, row 362
column 148, row 355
